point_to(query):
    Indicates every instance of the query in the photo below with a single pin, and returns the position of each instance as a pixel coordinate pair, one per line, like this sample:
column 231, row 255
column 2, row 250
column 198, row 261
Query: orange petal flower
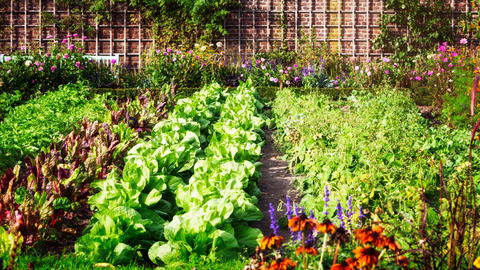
column 375, row 238
column 282, row 264
column 352, row 262
column 366, row 256
column 341, row 266
column 360, row 233
column 309, row 249
column 270, row 241
column 402, row 261
column 392, row 244
column 300, row 223
column 378, row 229
column 326, row 227
column 476, row 263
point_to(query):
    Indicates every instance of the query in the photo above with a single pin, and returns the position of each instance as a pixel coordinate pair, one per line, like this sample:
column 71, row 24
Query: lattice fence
column 346, row 25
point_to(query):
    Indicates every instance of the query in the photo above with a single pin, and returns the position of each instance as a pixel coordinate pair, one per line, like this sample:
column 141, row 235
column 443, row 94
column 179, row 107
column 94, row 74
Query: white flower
column 448, row 89
column 438, row 74
column 453, row 71
column 203, row 48
column 210, row 45
column 357, row 67
column 197, row 45
column 414, row 61
column 28, row 63
column 450, row 80
column 180, row 46
column 219, row 44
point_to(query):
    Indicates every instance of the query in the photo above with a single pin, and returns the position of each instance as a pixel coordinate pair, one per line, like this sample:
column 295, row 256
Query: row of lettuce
column 188, row 190
column 42, row 197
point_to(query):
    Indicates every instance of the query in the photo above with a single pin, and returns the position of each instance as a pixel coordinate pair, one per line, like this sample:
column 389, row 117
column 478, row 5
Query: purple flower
column 395, row 64
column 360, row 215
column 296, row 79
column 75, row 35
column 53, row 68
column 183, row 56
column 33, row 81
column 71, row 47
column 386, row 72
column 273, row 224
column 85, row 37
column 69, row 36
column 463, row 41
column 64, row 41
column 77, row 64
column 40, row 68
column 296, row 209
column 326, row 199
column 340, row 214
column 113, row 61
column 66, row 56
column 165, row 53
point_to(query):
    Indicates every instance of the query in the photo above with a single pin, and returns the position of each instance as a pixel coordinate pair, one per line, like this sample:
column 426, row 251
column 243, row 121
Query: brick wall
column 347, row 25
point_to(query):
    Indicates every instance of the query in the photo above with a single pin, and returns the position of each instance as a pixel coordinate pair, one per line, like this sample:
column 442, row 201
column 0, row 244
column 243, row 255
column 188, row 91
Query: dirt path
column 275, row 184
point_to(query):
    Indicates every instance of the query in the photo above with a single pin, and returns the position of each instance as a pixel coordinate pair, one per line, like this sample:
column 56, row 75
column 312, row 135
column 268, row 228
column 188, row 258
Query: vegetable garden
column 104, row 166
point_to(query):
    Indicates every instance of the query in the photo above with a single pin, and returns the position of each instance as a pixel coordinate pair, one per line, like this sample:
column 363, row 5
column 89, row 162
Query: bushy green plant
column 41, row 121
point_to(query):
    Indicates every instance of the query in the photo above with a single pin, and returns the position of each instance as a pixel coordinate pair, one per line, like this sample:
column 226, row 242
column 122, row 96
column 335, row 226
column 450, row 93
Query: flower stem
column 303, row 245
column 320, row 266
column 337, row 248
column 381, row 254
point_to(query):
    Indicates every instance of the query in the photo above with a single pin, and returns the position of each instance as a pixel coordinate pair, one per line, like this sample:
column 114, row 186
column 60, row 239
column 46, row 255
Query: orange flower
column 366, row 256
column 375, row 238
column 476, row 263
column 360, row 233
column 300, row 223
column 352, row 262
column 402, row 261
column 392, row 244
column 341, row 266
column 309, row 249
column 282, row 264
column 326, row 227
column 270, row 241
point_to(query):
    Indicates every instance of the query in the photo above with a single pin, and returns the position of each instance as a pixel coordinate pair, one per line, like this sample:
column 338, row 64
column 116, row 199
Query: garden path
column 275, row 184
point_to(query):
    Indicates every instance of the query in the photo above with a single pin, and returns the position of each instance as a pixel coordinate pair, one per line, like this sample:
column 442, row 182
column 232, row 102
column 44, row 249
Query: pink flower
column 368, row 61
column 113, row 61
column 169, row 50
column 64, row 41
column 445, row 59
column 442, row 70
column 75, row 35
column 77, row 64
column 79, row 49
column 66, row 56
column 289, row 68
column 463, row 41
column 418, row 78
column 271, row 79
column 450, row 65
column 295, row 65
column 71, row 47
column 48, row 37
column 165, row 53
column 275, row 80
column 411, row 78
column 183, row 56
column 263, row 59
column 158, row 51
column 445, row 43
column 395, row 64
column 287, row 82
column 430, row 73
column 190, row 52
column 85, row 37
column 40, row 68
column 69, row 36
column 296, row 79
column 244, row 65
column 267, row 74
column 37, row 63
column 281, row 71
column 386, row 72
column 369, row 74
column 8, row 71
column 264, row 67
column 174, row 59
column 286, row 71
column 454, row 54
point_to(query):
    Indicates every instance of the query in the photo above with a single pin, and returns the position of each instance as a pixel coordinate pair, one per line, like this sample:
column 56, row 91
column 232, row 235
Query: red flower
column 270, row 241
column 326, row 227
column 300, row 223
column 366, row 256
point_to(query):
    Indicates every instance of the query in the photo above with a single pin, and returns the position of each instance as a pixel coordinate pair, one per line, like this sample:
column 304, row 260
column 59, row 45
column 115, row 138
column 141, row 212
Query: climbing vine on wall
column 172, row 21
column 428, row 23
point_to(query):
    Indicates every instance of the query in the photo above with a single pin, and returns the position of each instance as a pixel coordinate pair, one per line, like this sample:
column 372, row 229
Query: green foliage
column 426, row 22
column 41, row 121
column 192, row 183
column 8, row 102
column 374, row 147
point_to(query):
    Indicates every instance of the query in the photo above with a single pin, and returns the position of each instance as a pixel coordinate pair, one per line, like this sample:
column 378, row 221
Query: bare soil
column 275, row 184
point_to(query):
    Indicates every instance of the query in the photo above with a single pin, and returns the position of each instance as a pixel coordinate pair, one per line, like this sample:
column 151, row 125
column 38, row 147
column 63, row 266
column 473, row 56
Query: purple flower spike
column 311, row 214
column 340, row 214
column 289, row 208
column 273, row 225
column 326, row 199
